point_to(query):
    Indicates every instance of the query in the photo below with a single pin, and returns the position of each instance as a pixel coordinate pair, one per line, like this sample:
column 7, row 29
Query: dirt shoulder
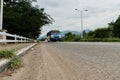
column 40, row 64
column 15, row 46
column 32, row 64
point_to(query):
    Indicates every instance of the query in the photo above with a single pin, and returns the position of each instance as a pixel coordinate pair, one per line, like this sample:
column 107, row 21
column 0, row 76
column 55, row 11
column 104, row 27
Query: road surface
column 70, row 61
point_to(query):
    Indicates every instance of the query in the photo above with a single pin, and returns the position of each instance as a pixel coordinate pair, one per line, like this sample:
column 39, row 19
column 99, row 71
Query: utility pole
column 81, row 24
column 81, row 21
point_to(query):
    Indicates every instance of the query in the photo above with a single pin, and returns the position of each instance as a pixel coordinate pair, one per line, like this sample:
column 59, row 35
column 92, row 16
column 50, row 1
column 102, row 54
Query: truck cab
column 53, row 35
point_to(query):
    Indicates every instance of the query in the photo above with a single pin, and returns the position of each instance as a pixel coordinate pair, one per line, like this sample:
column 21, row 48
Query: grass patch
column 14, row 63
column 101, row 40
column 7, row 54
column 93, row 40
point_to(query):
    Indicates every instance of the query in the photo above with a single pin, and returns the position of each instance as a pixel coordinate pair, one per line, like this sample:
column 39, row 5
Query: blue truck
column 54, row 35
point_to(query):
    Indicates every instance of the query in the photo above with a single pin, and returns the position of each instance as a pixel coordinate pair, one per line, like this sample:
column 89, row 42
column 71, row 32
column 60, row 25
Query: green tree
column 21, row 18
column 68, row 37
column 110, row 26
column 90, row 34
column 102, row 33
column 116, row 28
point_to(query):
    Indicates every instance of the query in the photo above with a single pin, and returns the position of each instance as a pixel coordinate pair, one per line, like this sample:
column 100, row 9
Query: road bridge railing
column 15, row 38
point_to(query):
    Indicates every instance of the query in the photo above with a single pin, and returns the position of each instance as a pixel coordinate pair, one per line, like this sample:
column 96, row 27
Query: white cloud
column 100, row 13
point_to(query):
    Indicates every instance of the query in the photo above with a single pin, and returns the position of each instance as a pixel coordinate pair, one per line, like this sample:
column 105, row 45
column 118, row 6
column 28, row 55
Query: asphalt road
column 70, row 61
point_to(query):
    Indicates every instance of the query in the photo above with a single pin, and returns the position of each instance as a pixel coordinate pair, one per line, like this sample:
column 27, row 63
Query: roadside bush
column 14, row 63
column 6, row 54
column 102, row 33
column 111, row 40
column 69, row 37
column 100, row 40
column 77, row 39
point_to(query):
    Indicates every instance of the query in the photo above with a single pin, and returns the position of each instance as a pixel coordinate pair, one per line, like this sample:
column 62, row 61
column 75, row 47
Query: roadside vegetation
column 15, row 62
column 106, row 34
column 71, row 37
column 20, row 17
column 7, row 54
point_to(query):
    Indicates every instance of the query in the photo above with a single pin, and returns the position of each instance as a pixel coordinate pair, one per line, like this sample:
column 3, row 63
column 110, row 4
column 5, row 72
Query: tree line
column 110, row 33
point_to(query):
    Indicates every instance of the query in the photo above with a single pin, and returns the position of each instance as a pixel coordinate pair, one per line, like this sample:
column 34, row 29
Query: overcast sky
column 99, row 14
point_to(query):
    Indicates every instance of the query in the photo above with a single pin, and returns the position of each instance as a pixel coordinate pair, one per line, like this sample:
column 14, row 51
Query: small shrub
column 14, row 63
column 6, row 54
column 77, row 39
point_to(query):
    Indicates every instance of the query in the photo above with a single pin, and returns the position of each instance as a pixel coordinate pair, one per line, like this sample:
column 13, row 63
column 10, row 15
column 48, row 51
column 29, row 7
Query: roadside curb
column 4, row 62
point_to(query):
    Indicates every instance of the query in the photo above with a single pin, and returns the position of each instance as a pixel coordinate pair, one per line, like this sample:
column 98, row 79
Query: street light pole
column 81, row 24
column 1, row 14
column 81, row 21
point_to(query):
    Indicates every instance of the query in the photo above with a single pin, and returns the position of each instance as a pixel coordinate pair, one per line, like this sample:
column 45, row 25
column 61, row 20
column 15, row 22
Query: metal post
column 1, row 14
column 81, row 21
column 81, row 25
